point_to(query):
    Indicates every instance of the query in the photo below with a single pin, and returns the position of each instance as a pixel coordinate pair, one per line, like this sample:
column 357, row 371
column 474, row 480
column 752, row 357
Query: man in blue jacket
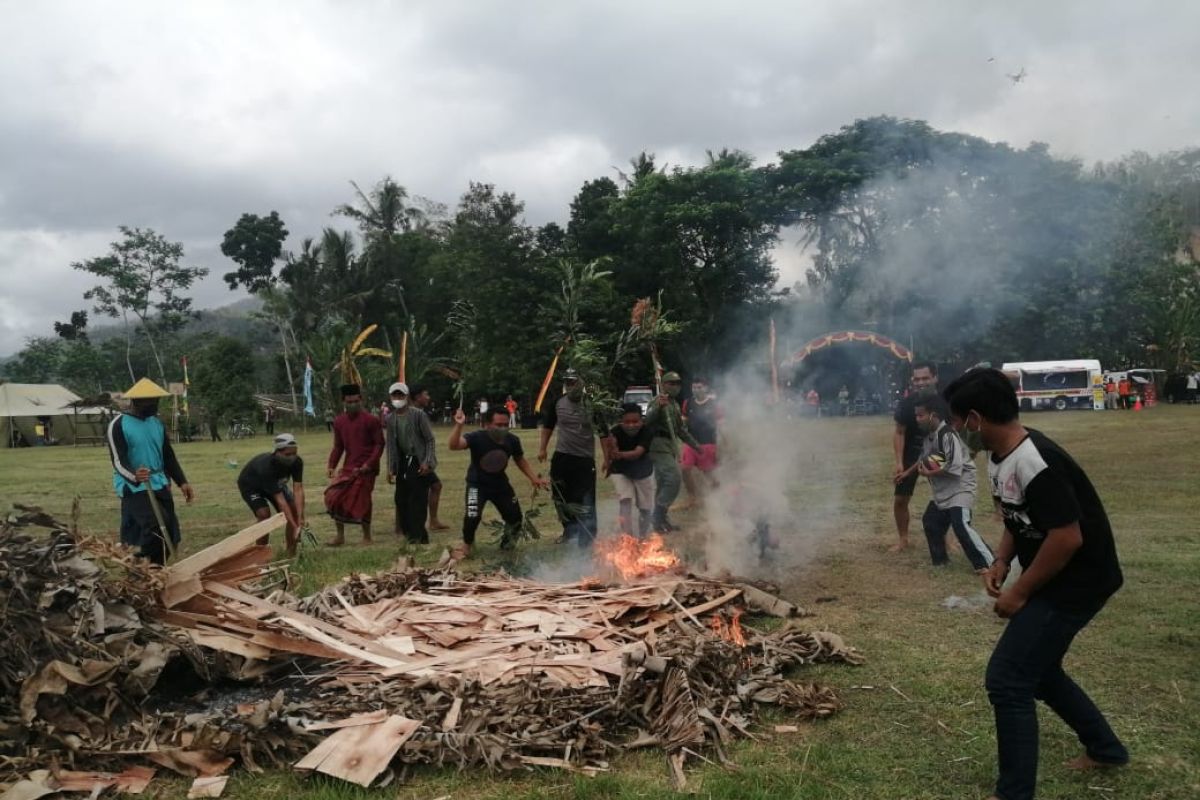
column 143, row 467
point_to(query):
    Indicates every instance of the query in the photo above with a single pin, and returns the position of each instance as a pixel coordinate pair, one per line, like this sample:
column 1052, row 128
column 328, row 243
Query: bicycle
column 239, row 430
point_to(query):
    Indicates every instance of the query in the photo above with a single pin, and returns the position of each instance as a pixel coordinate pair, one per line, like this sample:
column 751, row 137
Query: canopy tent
column 32, row 413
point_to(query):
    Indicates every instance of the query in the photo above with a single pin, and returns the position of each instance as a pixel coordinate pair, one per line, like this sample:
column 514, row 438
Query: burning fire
column 731, row 632
column 635, row 558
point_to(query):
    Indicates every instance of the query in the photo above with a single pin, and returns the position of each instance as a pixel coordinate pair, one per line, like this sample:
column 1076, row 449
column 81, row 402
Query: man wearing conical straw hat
column 144, row 465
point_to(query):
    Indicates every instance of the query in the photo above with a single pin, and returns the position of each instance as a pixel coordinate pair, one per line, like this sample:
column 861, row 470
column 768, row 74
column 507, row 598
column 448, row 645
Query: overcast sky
column 180, row 116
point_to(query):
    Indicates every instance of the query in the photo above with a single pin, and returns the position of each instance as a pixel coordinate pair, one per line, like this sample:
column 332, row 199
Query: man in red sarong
column 358, row 435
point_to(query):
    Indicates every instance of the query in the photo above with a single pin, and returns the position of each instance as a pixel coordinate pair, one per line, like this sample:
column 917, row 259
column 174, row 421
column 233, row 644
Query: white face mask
column 398, row 404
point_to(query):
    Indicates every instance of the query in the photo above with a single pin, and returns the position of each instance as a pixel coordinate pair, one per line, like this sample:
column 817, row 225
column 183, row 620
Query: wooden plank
column 346, row 650
column 340, row 634
column 196, row 563
column 366, row 718
column 452, row 657
column 694, row 610
column 358, row 754
column 179, row 591
column 230, row 644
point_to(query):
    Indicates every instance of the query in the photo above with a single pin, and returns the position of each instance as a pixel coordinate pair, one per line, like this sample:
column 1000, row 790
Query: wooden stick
column 700, row 609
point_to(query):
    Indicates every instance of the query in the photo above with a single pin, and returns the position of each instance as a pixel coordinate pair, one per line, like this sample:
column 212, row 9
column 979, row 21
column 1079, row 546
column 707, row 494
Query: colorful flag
column 308, row 379
column 185, row 386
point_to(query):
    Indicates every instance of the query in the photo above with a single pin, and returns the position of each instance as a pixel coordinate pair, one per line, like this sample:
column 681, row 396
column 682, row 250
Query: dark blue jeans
column 1027, row 666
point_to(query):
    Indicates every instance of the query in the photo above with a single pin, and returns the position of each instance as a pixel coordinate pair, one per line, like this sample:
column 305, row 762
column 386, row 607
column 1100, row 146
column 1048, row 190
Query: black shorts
column 432, row 478
column 256, row 498
column 906, row 487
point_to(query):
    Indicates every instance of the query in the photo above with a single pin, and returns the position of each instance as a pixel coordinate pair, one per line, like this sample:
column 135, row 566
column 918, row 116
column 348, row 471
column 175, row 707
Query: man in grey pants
column 665, row 419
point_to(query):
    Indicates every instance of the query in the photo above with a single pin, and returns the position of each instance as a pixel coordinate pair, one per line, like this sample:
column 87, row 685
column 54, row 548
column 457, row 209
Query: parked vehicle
column 642, row 395
column 1073, row 383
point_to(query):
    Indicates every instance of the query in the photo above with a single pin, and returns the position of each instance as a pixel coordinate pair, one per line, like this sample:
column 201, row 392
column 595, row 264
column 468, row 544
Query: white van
column 1076, row 383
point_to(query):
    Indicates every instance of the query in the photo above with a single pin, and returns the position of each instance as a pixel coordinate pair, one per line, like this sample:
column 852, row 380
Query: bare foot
column 898, row 546
column 337, row 543
column 1086, row 762
column 460, row 551
column 367, row 540
column 438, row 525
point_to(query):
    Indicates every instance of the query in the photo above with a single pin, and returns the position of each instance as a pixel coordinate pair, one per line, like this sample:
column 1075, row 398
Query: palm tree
column 384, row 212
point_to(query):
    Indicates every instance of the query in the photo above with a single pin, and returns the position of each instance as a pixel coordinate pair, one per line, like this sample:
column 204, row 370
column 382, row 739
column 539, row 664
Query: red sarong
column 348, row 497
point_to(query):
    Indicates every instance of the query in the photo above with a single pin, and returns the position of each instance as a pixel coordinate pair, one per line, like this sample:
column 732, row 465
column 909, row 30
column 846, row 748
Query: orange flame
column 731, row 632
column 634, row 558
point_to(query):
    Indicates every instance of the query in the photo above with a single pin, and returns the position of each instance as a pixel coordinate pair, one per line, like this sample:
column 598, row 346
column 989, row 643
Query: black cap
column 351, row 389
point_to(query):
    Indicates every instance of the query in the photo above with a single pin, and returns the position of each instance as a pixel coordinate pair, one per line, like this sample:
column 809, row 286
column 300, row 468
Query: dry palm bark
column 111, row 661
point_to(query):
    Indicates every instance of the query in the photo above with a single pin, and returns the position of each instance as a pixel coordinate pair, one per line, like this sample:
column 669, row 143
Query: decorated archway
column 844, row 337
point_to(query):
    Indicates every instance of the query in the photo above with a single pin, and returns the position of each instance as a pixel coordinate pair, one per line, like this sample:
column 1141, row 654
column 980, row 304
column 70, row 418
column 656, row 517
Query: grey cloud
column 126, row 113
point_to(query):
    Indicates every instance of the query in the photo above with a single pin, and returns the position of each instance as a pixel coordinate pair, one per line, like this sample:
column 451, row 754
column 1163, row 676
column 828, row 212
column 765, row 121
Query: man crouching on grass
column 1055, row 525
column 263, row 484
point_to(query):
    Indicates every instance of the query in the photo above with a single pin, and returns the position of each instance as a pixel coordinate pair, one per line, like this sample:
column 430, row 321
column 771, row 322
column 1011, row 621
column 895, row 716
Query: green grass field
column 923, row 728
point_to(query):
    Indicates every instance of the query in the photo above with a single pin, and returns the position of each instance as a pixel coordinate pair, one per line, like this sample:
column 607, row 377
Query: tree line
column 970, row 250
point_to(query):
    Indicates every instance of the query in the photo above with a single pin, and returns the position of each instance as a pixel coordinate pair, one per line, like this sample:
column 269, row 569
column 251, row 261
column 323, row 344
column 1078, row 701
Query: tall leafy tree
column 223, row 378
column 255, row 244
column 142, row 277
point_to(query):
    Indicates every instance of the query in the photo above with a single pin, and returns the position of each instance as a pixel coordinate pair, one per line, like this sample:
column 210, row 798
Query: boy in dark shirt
column 263, row 484
column 631, row 469
column 1056, row 526
column 906, row 445
column 487, row 481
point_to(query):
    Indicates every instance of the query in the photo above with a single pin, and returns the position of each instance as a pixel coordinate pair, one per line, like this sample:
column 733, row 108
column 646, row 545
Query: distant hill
column 236, row 319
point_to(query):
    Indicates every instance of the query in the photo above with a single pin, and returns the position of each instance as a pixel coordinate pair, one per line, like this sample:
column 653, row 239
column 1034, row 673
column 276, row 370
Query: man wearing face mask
column 263, row 484
column 144, row 463
column 665, row 419
column 1056, row 526
column 573, row 467
column 907, row 439
column 357, row 435
column 411, row 460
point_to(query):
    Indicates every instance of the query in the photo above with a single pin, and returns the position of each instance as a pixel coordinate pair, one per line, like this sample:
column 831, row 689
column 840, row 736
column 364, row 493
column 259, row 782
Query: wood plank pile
column 367, row 678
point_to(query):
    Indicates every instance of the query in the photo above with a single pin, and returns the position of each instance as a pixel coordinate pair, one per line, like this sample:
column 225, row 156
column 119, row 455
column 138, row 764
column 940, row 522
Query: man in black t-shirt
column 491, row 449
column 631, row 469
column 263, row 484
column 906, row 444
column 1056, row 526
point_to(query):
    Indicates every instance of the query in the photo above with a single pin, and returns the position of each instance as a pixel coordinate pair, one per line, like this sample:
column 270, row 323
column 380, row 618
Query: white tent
column 25, row 406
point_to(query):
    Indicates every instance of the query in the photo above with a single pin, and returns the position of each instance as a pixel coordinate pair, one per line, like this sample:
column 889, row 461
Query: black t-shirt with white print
column 1039, row 487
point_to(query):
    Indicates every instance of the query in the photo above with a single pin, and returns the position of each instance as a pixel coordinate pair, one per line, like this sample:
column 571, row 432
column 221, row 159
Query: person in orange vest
column 1125, row 390
column 511, row 406
column 1110, row 393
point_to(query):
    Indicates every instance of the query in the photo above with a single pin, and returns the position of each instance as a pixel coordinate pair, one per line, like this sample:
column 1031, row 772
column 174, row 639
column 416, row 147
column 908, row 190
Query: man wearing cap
column 573, row 467
column 263, row 484
column 411, row 460
column 358, row 436
column 665, row 419
column 144, row 464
